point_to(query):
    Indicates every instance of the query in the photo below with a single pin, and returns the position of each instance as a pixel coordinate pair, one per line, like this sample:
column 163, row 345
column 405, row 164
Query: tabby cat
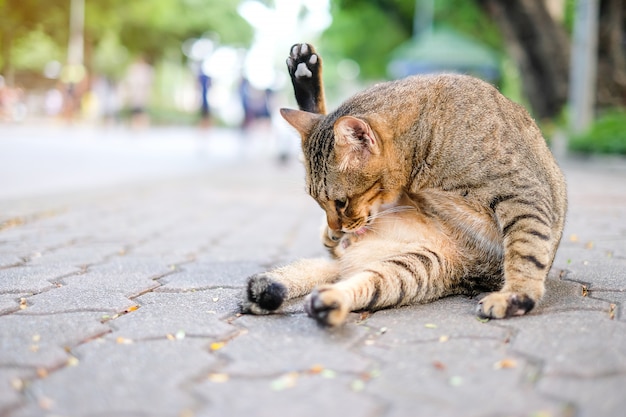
column 432, row 185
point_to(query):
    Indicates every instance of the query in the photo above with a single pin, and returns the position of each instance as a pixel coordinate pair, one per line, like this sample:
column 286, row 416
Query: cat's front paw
column 262, row 295
column 303, row 62
column 327, row 305
column 500, row 305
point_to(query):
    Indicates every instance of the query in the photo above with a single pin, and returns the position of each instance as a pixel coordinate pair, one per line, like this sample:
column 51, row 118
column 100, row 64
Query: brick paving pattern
column 123, row 301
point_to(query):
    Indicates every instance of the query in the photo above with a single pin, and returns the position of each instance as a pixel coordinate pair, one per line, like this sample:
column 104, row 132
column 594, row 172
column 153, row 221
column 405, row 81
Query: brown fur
column 487, row 199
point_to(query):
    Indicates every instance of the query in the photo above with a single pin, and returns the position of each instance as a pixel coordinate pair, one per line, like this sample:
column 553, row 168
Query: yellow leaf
column 216, row 377
column 505, row 364
column 217, row 346
column 123, row 341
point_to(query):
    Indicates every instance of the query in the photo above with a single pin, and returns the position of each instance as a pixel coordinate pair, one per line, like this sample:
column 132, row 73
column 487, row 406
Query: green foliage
column 352, row 35
column 149, row 27
column 367, row 31
column 33, row 51
column 607, row 135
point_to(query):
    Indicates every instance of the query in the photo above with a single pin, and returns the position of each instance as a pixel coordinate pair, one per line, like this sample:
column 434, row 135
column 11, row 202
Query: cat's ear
column 303, row 121
column 355, row 141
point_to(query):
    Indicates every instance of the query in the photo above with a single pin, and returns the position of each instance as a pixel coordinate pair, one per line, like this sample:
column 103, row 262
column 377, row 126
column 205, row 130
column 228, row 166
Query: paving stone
column 301, row 395
column 209, row 274
column 449, row 318
column 79, row 255
column 36, row 341
column 602, row 396
column 10, row 302
column 459, row 377
column 196, row 314
column 33, row 279
column 276, row 344
column 125, row 379
column 617, row 298
column 71, row 298
column 607, row 274
column 11, row 385
column 578, row 343
column 564, row 295
column 9, row 259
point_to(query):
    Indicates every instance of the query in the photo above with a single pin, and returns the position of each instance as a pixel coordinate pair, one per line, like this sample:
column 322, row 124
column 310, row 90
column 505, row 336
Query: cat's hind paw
column 500, row 305
column 327, row 306
column 303, row 62
column 262, row 295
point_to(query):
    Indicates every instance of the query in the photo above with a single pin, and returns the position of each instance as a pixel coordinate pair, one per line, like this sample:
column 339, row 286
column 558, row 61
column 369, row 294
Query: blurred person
column 53, row 102
column 255, row 104
column 138, row 88
column 3, row 98
column 204, row 82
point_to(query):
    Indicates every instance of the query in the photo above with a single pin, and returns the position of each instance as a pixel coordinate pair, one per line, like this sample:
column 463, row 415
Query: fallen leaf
column 430, row 326
column 505, row 364
column 45, row 403
column 42, row 372
column 72, row 361
column 216, row 346
column 443, row 338
column 180, row 335
column 585, row 291
column 285, row 381
column 17, row 384
column 217, row 377
column 328, row 373
column 34, row 348
column 482, row 320
column 123, row 341
column 573, row 238
column 439, row 366
column 589, row 245
column 36, row 338
column 316, row 369
column 170, row 336
column 132, row 308
column 455, row 381
column 357, row 385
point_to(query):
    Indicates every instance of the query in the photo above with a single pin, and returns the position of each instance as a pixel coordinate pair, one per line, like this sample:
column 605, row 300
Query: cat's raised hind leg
column 305, row 69
column 265, row 292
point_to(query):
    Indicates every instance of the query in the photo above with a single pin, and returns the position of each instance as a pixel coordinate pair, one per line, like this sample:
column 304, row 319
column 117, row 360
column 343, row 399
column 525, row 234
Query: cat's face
column 345, row 170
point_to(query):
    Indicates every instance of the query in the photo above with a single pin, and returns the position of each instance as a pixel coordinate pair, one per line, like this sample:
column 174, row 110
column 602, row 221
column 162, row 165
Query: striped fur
column 487, row 199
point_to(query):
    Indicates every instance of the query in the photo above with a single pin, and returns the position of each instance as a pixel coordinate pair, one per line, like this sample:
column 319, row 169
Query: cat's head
column 346, row 171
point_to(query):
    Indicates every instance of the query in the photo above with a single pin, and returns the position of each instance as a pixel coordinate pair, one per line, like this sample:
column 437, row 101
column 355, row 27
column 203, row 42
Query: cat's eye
column 340, row 204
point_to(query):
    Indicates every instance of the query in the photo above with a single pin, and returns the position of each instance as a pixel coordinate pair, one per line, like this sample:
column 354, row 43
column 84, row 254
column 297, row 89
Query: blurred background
column 218, row 66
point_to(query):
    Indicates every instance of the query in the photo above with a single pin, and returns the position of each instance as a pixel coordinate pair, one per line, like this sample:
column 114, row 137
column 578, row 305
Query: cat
column 432, row 185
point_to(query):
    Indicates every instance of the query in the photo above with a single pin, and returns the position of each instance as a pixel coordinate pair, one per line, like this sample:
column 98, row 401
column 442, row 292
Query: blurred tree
column 150, row 27
column 19, row 18
column 611, row 90
column 367, row 31
column 540, row 46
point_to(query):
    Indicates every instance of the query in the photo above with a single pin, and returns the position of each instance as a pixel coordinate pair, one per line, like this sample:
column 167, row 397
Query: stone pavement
column 122, row 301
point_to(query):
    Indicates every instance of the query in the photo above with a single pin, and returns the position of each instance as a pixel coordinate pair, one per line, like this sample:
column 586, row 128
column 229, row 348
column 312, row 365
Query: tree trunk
column 540, row 46
column 611, row 90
